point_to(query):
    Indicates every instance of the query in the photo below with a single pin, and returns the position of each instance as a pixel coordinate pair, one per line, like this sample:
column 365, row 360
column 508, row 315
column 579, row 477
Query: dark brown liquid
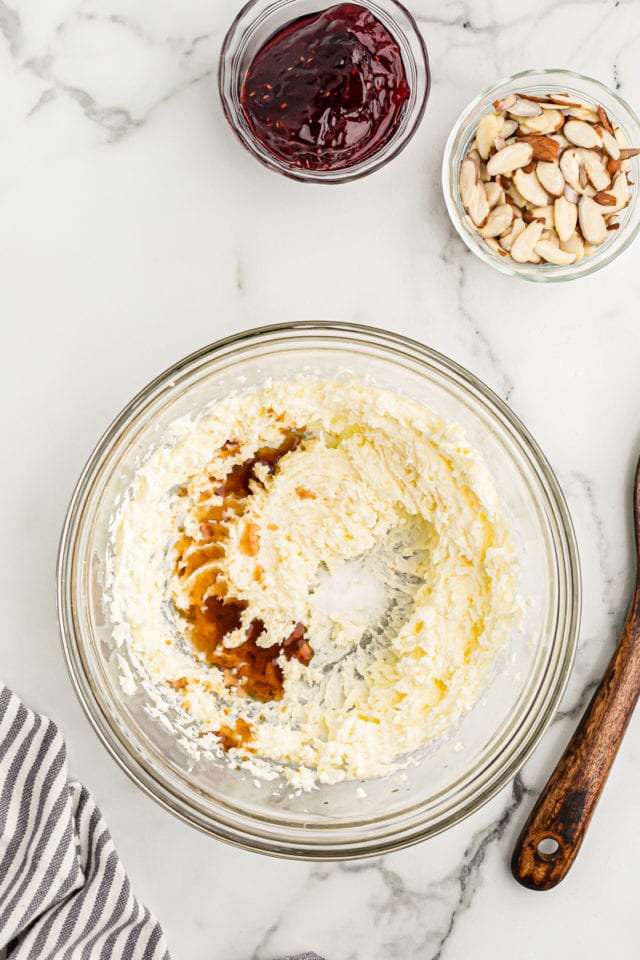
column 236, row 483
column 296, row 646
column 249, row 670
column 239, row 735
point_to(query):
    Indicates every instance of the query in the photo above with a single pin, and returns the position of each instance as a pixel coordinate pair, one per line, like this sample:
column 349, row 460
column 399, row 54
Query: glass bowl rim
column 532, row 724
column 506, row 265
column 362, row 168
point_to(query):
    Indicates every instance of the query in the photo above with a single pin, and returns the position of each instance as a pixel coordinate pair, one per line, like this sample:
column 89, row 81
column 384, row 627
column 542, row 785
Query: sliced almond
column 541, row 124
column 610, row 144
column 597, row 173
column 561, row 140
column 627, row 154
column 468, row 181
column 562, row 100
column 545, row 214
column 570, row 168
column 581, row 134
column 486, row 133
column 524, row 108
column 506, row 103
column 555, row 119
column 531, row 96
column 508, row 128
column 524, row 246
column 583, row 113
column 552, row 254
column 589, row 248
column 529, row 187
column 620, row 189
column 573, row 245
column 516, row 196
column 495, row 193
column 495, row 246
column 614, row 166
column 572, row 195
column 606, row 199
column 565, row 215
column 583, row 180
column 510, row 158
column 604, row 119
column 499, row 220
column 592, row 224
column 479, row 207
column 499, row 143
column 509, row 238
column 620, row 137
column 550, row 176
column 544, row 148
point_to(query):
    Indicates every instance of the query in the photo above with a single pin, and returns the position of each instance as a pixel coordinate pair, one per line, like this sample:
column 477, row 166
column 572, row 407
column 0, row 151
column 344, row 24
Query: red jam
column 327, row 90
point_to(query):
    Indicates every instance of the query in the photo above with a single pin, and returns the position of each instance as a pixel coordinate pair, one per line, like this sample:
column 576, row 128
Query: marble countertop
column 134, row 229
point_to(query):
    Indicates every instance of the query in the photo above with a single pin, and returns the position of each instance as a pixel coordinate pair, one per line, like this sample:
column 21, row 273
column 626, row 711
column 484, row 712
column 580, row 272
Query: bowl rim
column 362, row 168
column 143, row 773
column 505, row 265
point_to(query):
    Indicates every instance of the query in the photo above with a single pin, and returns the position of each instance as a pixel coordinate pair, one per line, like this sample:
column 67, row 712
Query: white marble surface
column 134, row 229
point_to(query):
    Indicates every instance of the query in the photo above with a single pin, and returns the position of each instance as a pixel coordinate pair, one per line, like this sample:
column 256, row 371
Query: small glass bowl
column 541, row 82
column 259, row 20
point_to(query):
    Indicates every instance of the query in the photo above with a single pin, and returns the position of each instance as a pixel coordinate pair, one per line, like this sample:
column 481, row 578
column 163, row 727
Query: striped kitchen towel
column 64, row 895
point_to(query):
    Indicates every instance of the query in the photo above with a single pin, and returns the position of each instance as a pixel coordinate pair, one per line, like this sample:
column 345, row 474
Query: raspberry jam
column 327, row 90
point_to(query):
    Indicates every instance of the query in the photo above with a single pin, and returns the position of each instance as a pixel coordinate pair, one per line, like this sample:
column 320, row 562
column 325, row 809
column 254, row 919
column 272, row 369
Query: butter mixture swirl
column 235, row 556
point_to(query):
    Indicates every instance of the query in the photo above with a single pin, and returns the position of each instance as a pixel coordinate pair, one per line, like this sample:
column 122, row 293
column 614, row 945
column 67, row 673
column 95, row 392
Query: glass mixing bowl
column 458, row 774
column 541, row 83
column 259, row 20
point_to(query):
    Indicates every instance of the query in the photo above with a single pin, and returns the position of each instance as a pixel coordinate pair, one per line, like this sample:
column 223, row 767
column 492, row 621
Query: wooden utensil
column 552, row 835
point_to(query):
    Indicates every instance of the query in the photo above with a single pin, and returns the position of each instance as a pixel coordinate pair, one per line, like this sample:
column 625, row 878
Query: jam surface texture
column 327, row 90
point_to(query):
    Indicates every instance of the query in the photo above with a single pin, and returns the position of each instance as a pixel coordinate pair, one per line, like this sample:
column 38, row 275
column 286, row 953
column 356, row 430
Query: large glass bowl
column 458, row 774
column 541, row 83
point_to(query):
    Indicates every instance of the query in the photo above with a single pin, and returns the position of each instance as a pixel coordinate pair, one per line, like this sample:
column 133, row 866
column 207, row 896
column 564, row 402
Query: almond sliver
column 499, row 220
column 528, row 185
column 468, row 181
column 525, row 108
column 510, row 158
column 552, row 254
column 525, row 244
column 550, row 176
column 565, row 216
column 581, row 134
column 592, row 224
column 486, row 134
column 479, row 207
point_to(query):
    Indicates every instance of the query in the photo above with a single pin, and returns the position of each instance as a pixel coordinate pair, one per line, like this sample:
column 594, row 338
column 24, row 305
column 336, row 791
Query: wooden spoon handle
column 552, row 835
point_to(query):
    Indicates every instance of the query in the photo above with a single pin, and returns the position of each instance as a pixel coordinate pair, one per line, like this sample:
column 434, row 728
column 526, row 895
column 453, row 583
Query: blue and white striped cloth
column 64, row 895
